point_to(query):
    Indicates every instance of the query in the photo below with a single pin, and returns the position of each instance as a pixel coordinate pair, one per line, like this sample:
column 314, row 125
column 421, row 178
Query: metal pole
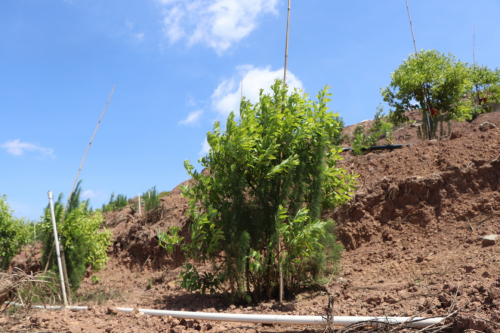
column 427, row 106
column 56, row 240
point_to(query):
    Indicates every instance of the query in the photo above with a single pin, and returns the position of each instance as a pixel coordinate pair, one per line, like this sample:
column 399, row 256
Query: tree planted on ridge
column 270, row 175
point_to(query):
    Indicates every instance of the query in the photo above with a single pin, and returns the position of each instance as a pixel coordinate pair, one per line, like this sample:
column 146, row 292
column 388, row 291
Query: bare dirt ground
column 412, row 232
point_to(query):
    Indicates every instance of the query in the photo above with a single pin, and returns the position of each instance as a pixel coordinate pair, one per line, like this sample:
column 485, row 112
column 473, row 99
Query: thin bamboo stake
column 474, row 62
column 286, row 44
column 65, row 272
column 241, row 98
column 88, row 147
column 427, row 106
column 284, row 83
column 474, row 47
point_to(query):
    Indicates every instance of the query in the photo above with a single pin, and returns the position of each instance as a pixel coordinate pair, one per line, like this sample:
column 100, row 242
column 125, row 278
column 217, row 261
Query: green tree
column 269, row 176
column 485, row 88
column 432, row 79
column 81, row 234
column 14, row 233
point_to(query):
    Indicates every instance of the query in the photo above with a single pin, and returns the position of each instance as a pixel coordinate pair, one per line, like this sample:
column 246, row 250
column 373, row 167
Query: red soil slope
column 412, row 232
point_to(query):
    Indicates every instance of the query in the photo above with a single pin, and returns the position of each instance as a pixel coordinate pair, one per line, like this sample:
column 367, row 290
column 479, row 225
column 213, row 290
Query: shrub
column 14, row 233
column 151, row 199
column 115, row 204
column 270, row 175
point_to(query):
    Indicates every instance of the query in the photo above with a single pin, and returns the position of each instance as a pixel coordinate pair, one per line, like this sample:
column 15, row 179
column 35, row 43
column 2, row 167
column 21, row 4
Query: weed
column 12, row 310
column 96, row 279
column 150, row 284
column 164, row 194
column 99, row 296
column 28, row 289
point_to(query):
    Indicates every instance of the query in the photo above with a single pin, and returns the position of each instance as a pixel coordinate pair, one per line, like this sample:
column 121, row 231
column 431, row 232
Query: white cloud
column 129, row 24
column 192, row 118
column 139, row 36
column 18, row 148
column 130, row 27
column 89, row 194
column 216, row 23
column 227, row 95
column 205, row 148
column 172, row 24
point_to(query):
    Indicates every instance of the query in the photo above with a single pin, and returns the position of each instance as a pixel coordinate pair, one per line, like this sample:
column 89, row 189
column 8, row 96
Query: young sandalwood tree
column 434, row 80
column 85, row 241
column 258, row 206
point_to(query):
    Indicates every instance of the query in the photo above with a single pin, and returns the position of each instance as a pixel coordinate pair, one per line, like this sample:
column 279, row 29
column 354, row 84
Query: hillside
column 412, row 232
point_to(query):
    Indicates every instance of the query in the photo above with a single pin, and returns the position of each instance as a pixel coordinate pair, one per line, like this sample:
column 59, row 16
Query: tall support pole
column 65, row 271
column 474, row 62
column 56, row 241
column 284, row 83
column 88, row 147
column 286, row 44
column 474, row 47
column 424, row 92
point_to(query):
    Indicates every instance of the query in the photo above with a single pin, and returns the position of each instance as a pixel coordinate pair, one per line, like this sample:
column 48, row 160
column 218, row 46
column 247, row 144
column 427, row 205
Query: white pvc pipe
column 139, row 204
column 418, row 322
column 56, row 240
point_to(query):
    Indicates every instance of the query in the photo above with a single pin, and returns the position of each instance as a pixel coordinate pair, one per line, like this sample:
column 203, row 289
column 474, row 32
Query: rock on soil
column 490, row 240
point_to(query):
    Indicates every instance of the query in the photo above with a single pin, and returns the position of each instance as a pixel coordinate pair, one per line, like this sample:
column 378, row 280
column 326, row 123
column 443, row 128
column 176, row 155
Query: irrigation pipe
column 418, row 322
column 380, row 147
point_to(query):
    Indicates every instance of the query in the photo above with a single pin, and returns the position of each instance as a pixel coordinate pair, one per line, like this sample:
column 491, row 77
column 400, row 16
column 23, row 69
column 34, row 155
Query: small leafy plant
column 170, row 240
column 380, row 129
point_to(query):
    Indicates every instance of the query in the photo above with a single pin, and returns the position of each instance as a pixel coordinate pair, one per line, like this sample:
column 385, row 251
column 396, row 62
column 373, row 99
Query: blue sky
column 177, row 67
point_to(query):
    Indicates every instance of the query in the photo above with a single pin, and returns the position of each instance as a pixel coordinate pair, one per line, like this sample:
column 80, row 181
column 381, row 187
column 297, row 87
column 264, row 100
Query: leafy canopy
column 433, row 79
column 267, row 178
